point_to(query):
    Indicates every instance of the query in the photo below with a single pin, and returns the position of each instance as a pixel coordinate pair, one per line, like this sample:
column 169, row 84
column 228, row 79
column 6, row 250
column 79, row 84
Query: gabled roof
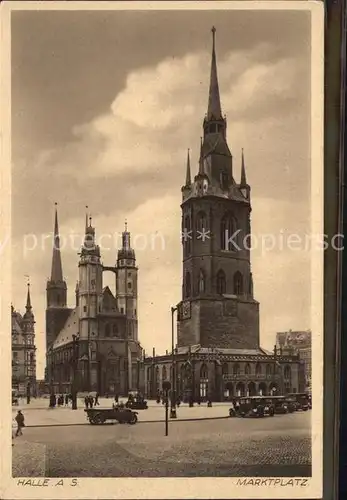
column 197, row 349
column 70, row 328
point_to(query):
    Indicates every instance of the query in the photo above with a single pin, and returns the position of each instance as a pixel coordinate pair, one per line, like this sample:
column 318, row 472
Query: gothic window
column 228, row 234
column 186, row 235
column 238, row 283
column 247, row 369
column 84, row 308
column 202, row 282
column 236, row 369
column 204, row 372
column 287, row 372
column 258, row 369
column 129, row 285
column 115, row 329
column 188, row 286
column 122, row 310
column 225, row 369
column 201, row 223
column 221, row 282
column 268, row 369
column 107, row 330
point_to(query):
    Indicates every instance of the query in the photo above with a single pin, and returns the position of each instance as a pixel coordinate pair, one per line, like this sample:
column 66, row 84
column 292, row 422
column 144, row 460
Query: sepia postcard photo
column 162, row 249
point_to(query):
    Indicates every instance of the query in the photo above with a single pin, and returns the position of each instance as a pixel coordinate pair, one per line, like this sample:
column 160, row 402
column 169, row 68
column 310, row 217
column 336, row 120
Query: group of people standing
column 55, row 400
column 90, row 401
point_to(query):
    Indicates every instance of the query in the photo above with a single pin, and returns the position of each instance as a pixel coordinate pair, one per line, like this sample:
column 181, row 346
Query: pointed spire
column 188, row 175
column 201, row 158
column 243, row 182
column 214, row 106
column 126, row 237
column 86, row 217
column 57, row 271
column 28, row 305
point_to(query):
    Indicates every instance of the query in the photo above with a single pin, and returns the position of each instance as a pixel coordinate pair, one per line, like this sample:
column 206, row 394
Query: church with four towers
column 218, row 354
column 94, row 345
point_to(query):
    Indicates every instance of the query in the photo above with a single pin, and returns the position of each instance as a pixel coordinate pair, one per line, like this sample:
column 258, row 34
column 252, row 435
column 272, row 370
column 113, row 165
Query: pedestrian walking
column 66, row 400
column 96, row 402
column 20, row 423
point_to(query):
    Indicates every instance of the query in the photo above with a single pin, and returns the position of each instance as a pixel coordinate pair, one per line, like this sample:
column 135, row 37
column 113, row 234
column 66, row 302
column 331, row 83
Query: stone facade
column 24, row 350
column 94, row 345
column 299, row 343
column 219, row 374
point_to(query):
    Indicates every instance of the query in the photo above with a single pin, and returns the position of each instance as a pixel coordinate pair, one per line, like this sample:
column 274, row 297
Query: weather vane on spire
column 126, row 225
column 28, row 279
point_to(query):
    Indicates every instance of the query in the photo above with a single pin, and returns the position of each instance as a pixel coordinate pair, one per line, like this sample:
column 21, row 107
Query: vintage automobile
column 252, row 406
column 300, row 400
column 98, row 416
column 279, row 404
column 136, row 402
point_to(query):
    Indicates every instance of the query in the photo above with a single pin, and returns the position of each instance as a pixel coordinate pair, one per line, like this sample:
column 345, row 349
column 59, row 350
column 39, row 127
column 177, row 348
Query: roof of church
column 16, row 320
column 70, row 328
column 197, row 349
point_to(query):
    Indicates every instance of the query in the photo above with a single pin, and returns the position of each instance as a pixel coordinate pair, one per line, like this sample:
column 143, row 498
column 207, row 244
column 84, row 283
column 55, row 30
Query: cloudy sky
column 104, row 107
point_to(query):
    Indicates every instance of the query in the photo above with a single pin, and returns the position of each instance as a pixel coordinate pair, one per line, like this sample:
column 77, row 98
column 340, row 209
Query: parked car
column 300, row 400
column 252, row 406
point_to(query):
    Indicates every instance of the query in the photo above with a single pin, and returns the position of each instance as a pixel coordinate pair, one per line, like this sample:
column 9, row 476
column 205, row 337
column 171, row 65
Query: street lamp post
column 173, row 413
column 75, row 353
column 166, row 388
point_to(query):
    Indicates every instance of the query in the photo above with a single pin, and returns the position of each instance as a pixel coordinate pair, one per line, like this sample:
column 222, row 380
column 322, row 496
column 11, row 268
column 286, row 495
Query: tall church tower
column 56, row 292
column 217, row 308
column 89, row 290
column 126, row 285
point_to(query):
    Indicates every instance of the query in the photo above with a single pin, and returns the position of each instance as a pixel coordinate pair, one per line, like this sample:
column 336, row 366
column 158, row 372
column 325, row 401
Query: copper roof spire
column 57, row 270
column 214, row 110
column 28, row 305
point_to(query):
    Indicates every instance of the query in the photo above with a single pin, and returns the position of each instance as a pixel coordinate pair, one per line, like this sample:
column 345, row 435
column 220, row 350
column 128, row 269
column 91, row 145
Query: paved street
column 278, row 446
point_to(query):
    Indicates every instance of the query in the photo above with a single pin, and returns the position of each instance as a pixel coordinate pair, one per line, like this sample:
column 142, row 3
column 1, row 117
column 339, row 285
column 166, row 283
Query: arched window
column 236, row 369
column 247, row 369
column 204, row 372
column 269, row 369
column 287, row 372
column 258, row 369
column 107, row 330
column 202, row 282
column 238, row 283
column 187, row 235
column 228, row 233
column 225, row 369
column 188, row 286
column 221, row 282
column 201, row 224
column 115, row 329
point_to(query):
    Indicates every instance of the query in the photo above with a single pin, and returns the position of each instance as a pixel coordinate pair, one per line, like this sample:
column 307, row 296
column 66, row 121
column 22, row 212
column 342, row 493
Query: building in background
column 94, row 345
column 298, row 343
column 23, row 350
column 218, row 351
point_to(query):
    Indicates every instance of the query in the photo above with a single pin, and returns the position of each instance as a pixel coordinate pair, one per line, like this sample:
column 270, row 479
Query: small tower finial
column 243, row 182
column 188, row 174
column 126, row 225
column 213, row 36
column 86, row 216
column 90, row 221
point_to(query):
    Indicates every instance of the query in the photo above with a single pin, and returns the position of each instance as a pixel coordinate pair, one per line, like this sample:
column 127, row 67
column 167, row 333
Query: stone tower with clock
column 218, row 308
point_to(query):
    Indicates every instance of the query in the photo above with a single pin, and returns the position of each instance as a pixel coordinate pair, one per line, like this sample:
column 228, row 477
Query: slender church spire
column 214, row 110
column 28, row 304
column 201, row 158
column 188, row 174
column 57, row 270
column 243, row 182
